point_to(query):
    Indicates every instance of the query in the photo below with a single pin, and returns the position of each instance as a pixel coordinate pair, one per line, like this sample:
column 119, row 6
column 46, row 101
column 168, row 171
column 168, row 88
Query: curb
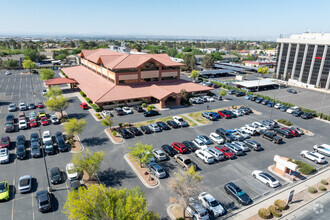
column 169, row 212
column 82, row 146
column 139, row 175
column 109, row 136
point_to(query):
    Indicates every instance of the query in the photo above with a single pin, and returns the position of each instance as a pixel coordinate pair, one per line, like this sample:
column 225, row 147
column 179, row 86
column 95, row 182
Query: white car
column 46, row 136
column 105, row 113
column 259, row 126
column 292, row 109
column 211, row 204
column 44, row 91
column 243, row 133
column 266, row 178
column 154, row 127
column 206, row 157
column 22, row 106
column 250, row 130
column 216, row 138
column 127, row 110
column 210, row 99
column 159, row 154
column 315, row 157
column 278, row 106
column 243, row 146
column 22, row 124
column 237, row 112
column 8, row 73
column 323, row 149
column 54, row 119
column 4, row 155
column 71, row 171
column 180, row 121
column 199, row 144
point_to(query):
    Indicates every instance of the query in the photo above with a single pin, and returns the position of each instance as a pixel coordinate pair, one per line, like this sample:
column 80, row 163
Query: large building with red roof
column 111, row 78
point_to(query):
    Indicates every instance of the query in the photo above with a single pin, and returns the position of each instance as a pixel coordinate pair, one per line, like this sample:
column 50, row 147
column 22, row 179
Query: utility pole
column 271, row 110
column 49, row 188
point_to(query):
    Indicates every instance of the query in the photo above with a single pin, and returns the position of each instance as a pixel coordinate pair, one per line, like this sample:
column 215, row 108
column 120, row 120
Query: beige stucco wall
column 128, row 77
column 166, row 74
column 149, row 74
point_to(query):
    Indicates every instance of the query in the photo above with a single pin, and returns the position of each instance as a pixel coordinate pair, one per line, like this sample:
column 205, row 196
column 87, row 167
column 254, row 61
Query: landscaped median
column 146, row 123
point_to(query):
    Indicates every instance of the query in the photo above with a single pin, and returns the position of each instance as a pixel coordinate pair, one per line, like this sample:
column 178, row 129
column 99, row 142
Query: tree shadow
column 94, row 141
column 112, row 177
column 77, row 115
column 4, row 103
column 230, row 205
column 167, row 166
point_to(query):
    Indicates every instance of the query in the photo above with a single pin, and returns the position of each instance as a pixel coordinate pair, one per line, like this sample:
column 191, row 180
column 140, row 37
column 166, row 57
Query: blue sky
column 164, row 17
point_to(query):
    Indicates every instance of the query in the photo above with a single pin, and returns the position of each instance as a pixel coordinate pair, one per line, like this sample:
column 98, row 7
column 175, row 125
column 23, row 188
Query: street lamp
column 49, row 188
column 271, row 110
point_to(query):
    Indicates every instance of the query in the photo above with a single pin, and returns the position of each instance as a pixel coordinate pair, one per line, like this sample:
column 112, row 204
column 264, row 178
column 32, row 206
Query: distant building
column 304, row 59
column 121, row 49
column 229, row 58
column 259, row 63
column 199, row 58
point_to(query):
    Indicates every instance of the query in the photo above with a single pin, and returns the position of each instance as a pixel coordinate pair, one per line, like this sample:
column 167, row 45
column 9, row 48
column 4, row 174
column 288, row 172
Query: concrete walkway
column 283, row 194
column 198, row 124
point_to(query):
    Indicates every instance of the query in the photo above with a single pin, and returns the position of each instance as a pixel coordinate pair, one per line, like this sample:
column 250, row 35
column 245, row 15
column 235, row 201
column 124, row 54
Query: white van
column 205, row 156
column 250, row 130
column 199, row 144
column 323, row 149
column 218, row 155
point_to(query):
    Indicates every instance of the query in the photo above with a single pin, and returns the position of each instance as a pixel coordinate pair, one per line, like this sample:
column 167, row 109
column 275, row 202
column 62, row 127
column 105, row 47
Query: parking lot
column 115, row 172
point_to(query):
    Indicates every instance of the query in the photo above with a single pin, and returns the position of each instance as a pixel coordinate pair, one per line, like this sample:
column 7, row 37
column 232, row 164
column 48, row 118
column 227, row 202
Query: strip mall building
column 111, row 78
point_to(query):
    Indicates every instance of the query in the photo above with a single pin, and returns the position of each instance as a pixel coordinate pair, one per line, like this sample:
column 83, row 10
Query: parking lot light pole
column 271, row 110
column 49, row 188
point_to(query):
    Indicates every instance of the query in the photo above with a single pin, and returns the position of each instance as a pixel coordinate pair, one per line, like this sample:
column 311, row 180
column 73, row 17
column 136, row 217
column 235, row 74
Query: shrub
column 88, row 100
column 99, row 117
column 114, row 133
column 66, row 76
column 307, row 169
column 324, row 182
column 322, row 188
column 181, row 218
column 82, row 94
column 275, row 212
column 285, row 122
column 280, row 204
column 312, row 189
column 97, row 114
column 264, row 213
column 96, row 107
column 120, row 124
column 144, row 105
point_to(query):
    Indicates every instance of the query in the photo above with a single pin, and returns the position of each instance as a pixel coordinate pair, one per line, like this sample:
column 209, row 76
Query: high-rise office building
column 304, row 59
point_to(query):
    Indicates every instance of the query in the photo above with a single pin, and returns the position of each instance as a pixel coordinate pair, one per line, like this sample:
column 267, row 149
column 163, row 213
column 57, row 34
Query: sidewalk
column 283, row 194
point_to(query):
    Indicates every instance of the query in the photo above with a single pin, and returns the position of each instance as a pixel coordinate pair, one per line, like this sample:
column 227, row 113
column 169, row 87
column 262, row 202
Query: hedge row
column 82, row 94
column 96, row 107
column 88, row 100
column 285, row 122
column 304, row 168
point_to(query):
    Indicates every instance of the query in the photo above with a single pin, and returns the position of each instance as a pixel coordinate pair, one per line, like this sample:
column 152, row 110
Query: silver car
column 12, row 107
column 25, row 184
column 156, row 170
column 159, row 154
column 154, row 127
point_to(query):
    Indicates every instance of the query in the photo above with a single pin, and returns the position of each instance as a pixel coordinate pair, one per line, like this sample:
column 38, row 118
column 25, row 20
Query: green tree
column 46, row 74
column 222, row 93
column 57, row 103
column 54, row 91
column 208, row 61
column 87, row 161
column 263, row 70
column 217, row 56
column 74, row 126
column 185, row 185
column 141, row 153
column 60, row 57
column 184, row 94
column 189, row 61
column 194, row 74
column 172, row 52
column 28, row 64
column 101, row 202
column 31, row 54
column 10, row 63
column 107, row 121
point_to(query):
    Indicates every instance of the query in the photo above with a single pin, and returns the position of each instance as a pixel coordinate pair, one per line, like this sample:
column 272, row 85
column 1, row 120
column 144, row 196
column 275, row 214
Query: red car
column 5, row 142
column 226, row 152
column 292, row 131
column 180, row 148
column 84, row 105
column 224, row 114
column 33, row 123
column 41, row 105
column 44, row 121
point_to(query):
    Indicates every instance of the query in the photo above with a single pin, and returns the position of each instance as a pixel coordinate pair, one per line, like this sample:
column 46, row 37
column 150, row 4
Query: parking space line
column 32, row 206
column 226, row 195
column 12, row 204
column 250, row 187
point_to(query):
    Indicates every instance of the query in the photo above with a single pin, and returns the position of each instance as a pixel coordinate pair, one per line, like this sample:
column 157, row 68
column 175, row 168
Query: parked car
column 209, row 116
column 71, row 171
column 259, row 100
column 253, row 145
column 264, row 102
column 283, row 133
column 119, row 111
column 266, row 178
column 49, row 147
column 106, row 113
column 44, row 201
column 145, row 129
column 225, row 135
column 22, row 106
column 5, row 142
column 40, row 105
column 232, row 92
column 297, row 113
column 196, row 211
column 211, row 204
column 184, row 161
column 238, row 194
column 125, row 134
column 299, row 130
column 60, row 142
column 46, row 136
column 84, row 105
column 42, row 114
column 199, row 144
column 238, row 94
column 307, row 115
column 159, row 154
column 224, row 114
column 55, row 175
column 216, row 138
column 292, row 109
column 32, row 106
column 313, row 156
column 179, row 147
column 25, row 184
column 154, row 127
column 138, row 108
column 35, row 146
column 292, row 131
column 254, row 98
column 205, row 139
column 278, row 106
column 4, row 155
column 272, row 137
column 235, row 149
column 218, row 97
column 237, row 136
column 163, row 125
column 218, row 155
column 151, row 113
column 284, row 108
column 22, row 124
column 33, row 123
column 271, row 104
column 250, row 130
column 44, row 91
column 180, row 121
column 172, row 124
column 243, row 133
column 156, row 170
column 226, row 152
column 190, row 145
column 20, row 152
column 54, row 119
column 9, row 127
column 135, row 131
column 242, row 145
column 44, row 121
column 127, row 110
column 12, row 107
column 238, row 112
column 169, row 150
column 205, row 156
column 322, row 148
column 292, row 91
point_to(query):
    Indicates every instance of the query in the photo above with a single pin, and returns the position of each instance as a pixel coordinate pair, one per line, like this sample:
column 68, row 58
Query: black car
column 169, row 150
column 232, row 92
column 55, row 175
column 209, row 116
column 246, row 108
column 238, row 94
column 44, row 201
column 264, row 102
column 190, row 145
column 35, row 146
column 20, row 152
column 151, row 113
column 145, row 129
column 138, row 108
column 173, row 124
column 60, row 141
column 271, row 104
column 9, row 127
column 297, row 113
column 254, row 98
column 49, row 147
column 75, row 184
column 307, row 115
column 284, row 108
column 125, row 134
column 20, row 140
column 10, row 118
column 119, row 111
column 252, row 144
column 232, row 114
column 237, row 193
column 225, row 135
column 283, row 133
column 259, row 100
column 135, row 131
column 163, row 125
column 292, row 91
column 272, row 137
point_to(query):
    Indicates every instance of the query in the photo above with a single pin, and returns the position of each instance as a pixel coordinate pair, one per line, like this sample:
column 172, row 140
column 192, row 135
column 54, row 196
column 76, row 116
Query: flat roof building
column 254, row 85
column 110, row 78
column 304, row 59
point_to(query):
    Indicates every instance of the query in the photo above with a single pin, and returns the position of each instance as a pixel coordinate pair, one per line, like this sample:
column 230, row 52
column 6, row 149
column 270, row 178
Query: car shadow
column 34, row 183
column 55, row 204
column 112, row 177
column 4, row 103
column 230, row 206
column 12, row 158
column 168, row 167
column 94, row 141
column 77, row 115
